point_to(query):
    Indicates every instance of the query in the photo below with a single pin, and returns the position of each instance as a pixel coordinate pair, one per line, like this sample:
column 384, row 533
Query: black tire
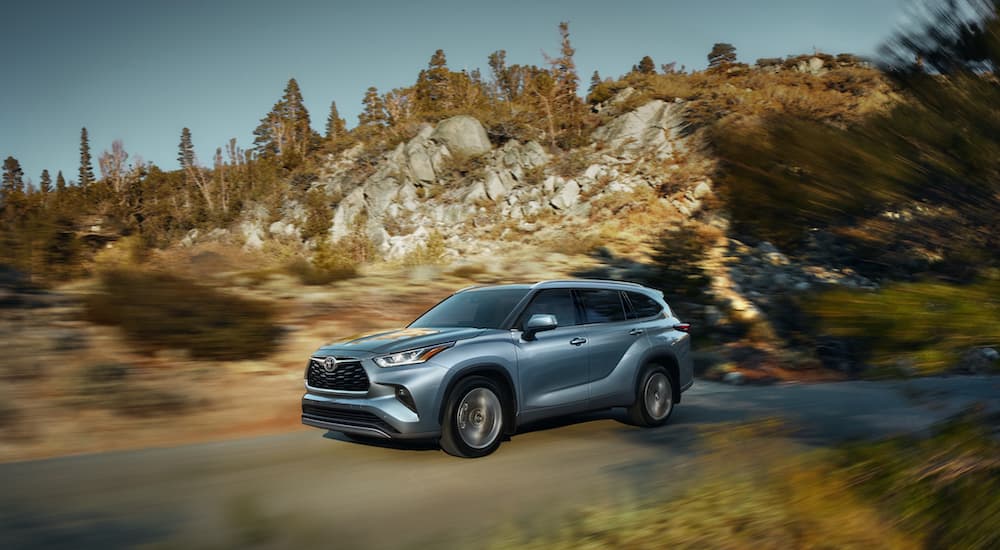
column 646, row 412
column 460, row 440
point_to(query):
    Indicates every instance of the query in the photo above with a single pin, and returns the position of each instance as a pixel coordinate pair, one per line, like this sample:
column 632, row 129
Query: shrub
column 158, row 310
column 752, row 493
column 110, row 385
column 755, row 492
column 326, row 267
column 943, row 487
column 430, row 253
column 926, row 325
column 468, row 271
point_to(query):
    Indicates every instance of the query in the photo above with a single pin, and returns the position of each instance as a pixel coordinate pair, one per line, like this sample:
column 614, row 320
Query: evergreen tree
column 555, row 92
column 433, row 84
column 564, row 65
column 185, row 154
column 504, row 82
column 722, row 54
column 12, row 203
column 285, row 131
column 646, row 65
column 86, row 163
column 335, row 126
column 373, row 113
column 595, row 79
column 45, row 182
column 13, row 179
column 60, row 182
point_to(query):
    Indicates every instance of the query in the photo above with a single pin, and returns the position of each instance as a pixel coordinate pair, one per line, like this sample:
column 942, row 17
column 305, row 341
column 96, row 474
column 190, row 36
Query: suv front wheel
column 473, row 420
column 654, row 400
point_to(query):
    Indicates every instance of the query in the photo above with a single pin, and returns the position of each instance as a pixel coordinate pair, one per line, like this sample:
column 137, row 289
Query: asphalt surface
column 313, row 486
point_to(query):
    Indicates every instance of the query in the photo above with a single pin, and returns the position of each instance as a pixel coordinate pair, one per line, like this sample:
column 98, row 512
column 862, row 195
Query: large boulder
column 652, row 126
column 463, row 135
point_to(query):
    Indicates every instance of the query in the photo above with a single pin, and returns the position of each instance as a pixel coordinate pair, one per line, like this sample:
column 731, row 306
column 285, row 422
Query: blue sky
column 140, row 71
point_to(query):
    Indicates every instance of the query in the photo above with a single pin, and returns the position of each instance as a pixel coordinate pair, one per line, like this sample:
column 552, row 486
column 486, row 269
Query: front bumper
column 378, row 412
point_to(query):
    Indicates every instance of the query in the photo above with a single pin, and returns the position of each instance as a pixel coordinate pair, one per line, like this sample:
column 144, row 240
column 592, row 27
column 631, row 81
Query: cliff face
column 450, row 180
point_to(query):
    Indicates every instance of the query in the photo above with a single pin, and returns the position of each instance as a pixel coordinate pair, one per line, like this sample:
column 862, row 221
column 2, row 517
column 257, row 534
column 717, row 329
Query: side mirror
column 539, row 322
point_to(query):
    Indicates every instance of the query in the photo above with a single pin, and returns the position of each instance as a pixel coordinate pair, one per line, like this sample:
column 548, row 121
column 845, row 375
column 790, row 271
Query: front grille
column 348, row 376
column 349, row 417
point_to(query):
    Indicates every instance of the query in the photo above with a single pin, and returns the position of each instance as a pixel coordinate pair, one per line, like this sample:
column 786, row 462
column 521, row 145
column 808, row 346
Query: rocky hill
column 450, row 182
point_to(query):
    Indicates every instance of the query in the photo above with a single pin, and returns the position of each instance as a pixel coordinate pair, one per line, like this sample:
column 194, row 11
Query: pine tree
column 86, row 163
column 285, row 131
column 595, row 79
column 722, row 53
column 13, row 179
column 506, row 80
column 646, row 65
column 565, row 67
column 60, row 182
column 374, row 109
column 45, row 183
column 185, row 153
column 335, row 126
column 433, row 84
column 556, row 90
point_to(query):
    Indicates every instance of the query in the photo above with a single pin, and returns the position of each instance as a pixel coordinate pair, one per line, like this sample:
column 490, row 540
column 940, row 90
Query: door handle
column 636, row 332
column 578, row 341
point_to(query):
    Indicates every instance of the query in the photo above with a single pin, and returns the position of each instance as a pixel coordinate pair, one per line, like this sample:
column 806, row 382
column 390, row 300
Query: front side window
column 482, row 308
column 555, row 301
column 602, row 306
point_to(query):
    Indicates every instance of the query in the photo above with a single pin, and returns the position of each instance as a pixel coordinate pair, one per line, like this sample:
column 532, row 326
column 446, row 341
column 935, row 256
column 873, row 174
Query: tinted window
column 486, row 308
column 602, row 306
column 558, row 302
column 643, row 306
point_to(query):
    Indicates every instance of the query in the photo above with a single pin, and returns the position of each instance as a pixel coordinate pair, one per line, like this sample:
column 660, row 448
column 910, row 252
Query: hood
column 403, row 339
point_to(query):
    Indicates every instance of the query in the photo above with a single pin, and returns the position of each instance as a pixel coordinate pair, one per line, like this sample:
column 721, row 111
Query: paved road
column 308, row 485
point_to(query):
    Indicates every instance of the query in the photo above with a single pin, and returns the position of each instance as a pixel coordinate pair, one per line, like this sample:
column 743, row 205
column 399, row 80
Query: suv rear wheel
column 473, row 419
column 654, row 400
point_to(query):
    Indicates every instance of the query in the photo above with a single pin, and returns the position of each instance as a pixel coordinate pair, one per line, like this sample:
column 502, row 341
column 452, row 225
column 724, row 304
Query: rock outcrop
column 654, row 127
column 449, row 179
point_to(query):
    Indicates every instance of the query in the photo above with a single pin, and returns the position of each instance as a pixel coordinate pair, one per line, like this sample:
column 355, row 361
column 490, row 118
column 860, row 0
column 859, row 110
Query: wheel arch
column 666, row 360
column 497, row 374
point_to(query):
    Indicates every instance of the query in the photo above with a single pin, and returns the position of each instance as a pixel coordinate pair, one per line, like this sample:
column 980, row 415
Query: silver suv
column 487, row 359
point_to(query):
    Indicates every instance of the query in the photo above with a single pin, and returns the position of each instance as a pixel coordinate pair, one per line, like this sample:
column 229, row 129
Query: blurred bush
column 756, row 491
column 431, row 252
column 159, row 310
column 751, row 491
column 320, row 273
column 924, row 326
column 112, row 386
column 329, row 263
column 943, row 488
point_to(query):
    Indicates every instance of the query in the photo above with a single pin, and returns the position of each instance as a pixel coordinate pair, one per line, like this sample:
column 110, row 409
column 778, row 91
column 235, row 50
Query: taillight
column 683, row 327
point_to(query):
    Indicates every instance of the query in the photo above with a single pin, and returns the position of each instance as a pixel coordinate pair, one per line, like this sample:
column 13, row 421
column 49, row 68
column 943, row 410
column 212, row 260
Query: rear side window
column 555, row 301
column 643, row 306
column 602, row 306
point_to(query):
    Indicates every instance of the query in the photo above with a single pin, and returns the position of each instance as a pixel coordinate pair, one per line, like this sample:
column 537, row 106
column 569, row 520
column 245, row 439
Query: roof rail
column 589, row 280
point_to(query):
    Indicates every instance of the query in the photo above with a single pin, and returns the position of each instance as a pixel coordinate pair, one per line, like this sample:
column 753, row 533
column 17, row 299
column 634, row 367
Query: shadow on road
column 29, row 528
column 383, row 443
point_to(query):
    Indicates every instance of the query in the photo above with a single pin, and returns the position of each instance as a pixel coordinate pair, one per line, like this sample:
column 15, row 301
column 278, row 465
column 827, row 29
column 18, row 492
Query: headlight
column 411, row 357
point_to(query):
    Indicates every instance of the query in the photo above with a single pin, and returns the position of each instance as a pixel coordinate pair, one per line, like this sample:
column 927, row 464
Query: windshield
column 485, row 308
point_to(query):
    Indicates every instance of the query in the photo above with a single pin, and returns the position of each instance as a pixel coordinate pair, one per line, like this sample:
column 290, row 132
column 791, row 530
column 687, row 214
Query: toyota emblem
column 330, row 364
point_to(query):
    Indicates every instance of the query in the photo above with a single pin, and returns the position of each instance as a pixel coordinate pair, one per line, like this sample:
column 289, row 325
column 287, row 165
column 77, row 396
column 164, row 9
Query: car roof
column 568, row 283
